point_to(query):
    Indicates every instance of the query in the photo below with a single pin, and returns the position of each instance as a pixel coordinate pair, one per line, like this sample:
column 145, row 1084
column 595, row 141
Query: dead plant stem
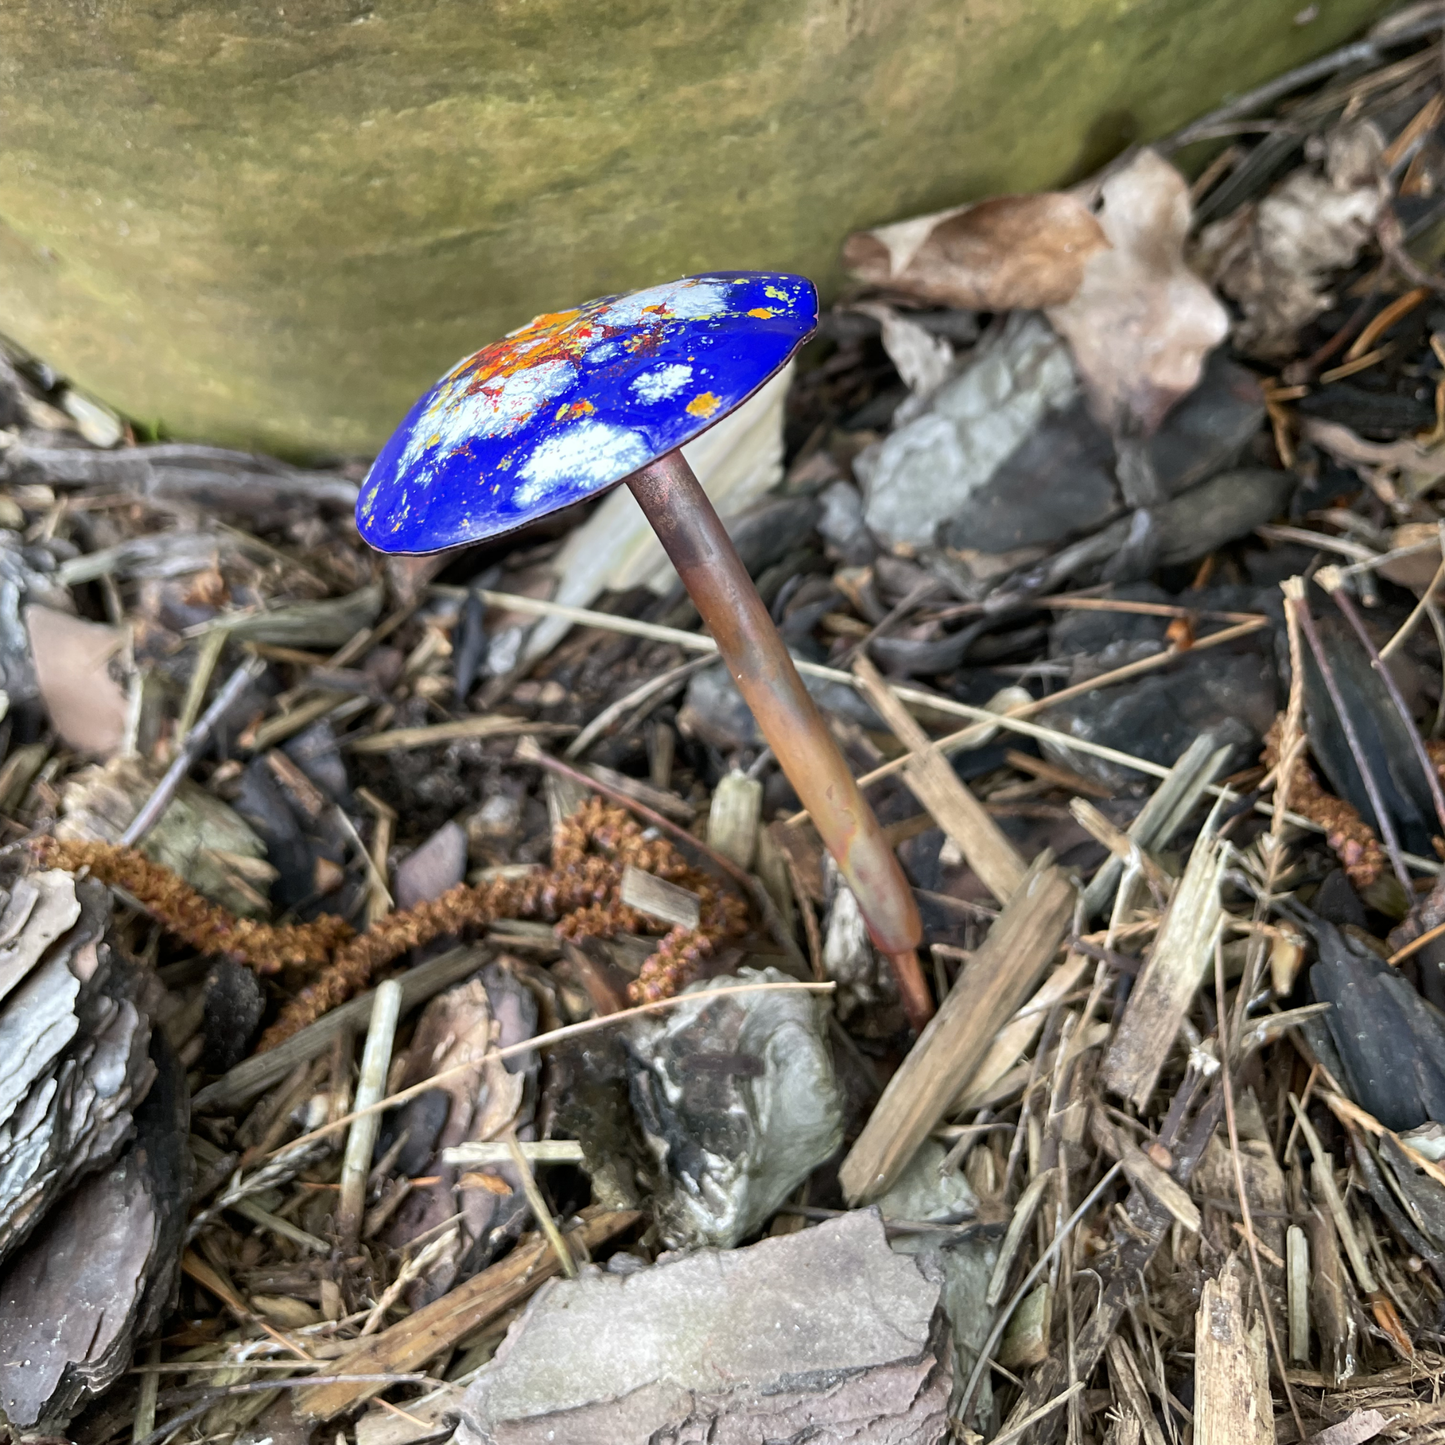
column 1001, row 1323
column 1244, row 1210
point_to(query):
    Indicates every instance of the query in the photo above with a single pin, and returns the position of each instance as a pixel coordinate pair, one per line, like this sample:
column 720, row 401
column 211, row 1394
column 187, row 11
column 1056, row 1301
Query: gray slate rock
column 737, row 1100
column 927, row 1194
column 930, row 470
column 1183, row 529
column 714, row 711
column 1232, row 695
column 825, row 1336
column 841, row 524
column 428, row 871
column 1007, row 454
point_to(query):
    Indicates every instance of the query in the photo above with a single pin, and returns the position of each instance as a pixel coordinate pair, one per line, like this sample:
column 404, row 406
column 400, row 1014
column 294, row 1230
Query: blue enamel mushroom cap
column 574, row 402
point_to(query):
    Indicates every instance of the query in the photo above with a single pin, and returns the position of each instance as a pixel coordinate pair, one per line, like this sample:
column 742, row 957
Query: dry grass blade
column 1163, row 814
column 399, row 739
column 1227, row 1088
column 1013, row 1040
column 1124, row 1373
column 1144, row 1174
column 1323, row 1178
column 1019, row 1222
column 361, row 1138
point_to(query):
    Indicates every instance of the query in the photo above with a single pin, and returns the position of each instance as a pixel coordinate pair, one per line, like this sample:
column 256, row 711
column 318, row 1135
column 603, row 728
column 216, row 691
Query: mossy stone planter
column 275, row 222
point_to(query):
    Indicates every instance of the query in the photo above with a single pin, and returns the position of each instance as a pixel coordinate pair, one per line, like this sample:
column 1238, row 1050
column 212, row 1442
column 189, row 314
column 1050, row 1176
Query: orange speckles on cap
column 547, row 324
column 574, row 401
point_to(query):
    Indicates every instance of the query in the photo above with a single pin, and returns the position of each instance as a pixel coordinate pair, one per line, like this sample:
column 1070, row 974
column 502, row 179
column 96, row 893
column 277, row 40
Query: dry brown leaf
column 1142, row 322
column 1274, row 257
column 1009, row 251
column 490, row 1182
column 72, row 666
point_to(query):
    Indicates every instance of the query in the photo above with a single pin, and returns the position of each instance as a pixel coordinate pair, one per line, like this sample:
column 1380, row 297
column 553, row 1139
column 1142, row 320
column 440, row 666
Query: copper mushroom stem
column 711, row 570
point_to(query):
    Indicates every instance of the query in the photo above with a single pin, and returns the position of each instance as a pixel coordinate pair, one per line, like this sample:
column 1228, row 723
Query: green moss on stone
column 275, row 223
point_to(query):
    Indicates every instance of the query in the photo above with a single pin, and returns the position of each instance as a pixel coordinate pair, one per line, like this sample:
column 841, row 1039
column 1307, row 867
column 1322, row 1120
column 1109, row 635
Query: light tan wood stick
column 933, row 782
column 1002, row 973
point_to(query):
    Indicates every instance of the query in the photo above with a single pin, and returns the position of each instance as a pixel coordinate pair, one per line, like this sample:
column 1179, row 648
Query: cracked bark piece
column 73, row 1065
column 457, row 1027
column 822, row 1336
column 102, row 1268
column 39, row 910
column 1382, row 735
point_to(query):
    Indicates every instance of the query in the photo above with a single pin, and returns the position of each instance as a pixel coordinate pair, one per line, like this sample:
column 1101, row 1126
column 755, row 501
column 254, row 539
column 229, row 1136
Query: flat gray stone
column 825, row 1335
column 427, row 872
column 929, row 471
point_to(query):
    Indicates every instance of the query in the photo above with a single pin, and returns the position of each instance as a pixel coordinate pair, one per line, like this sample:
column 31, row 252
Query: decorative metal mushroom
column 568, row 406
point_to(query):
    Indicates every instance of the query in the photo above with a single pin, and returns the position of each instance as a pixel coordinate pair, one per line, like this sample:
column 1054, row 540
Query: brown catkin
column 1352, row 839
column 581, row 893
column 194, row 919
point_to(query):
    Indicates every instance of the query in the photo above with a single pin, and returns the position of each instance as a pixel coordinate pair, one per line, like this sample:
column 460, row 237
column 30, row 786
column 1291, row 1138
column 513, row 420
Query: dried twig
column 191, row 748
column 1019, row 947
column 361, row 1139
column 1000, row 1324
